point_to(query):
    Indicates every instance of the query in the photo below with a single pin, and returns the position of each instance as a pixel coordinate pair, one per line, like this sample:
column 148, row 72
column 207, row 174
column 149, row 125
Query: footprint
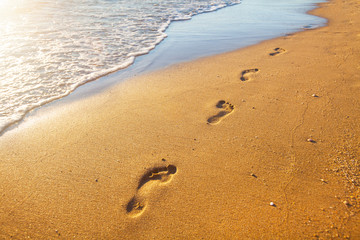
column 156, row 176
column 277, row 51
column 245, row 74
column 226, row 109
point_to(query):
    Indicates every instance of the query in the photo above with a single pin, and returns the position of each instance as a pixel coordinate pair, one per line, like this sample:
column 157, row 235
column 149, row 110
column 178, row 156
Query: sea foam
column 49, row 48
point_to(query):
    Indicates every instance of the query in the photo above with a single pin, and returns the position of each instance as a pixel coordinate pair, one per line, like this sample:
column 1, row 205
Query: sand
column 200, row 150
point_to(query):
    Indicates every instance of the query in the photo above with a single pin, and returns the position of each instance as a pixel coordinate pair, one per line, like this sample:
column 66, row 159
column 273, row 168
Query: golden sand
column 201, row 149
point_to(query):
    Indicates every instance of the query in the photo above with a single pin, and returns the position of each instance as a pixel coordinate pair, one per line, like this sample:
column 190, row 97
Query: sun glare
column 4, row 3
column 8, row 7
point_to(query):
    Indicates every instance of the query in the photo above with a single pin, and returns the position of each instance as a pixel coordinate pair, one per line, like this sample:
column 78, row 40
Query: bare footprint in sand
column 245, row 74
column 156, row 176
column 277, row 51
column 226, row 109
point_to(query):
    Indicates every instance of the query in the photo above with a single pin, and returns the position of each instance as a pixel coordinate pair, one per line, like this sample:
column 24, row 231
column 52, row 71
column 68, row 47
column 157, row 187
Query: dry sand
column 199, row 150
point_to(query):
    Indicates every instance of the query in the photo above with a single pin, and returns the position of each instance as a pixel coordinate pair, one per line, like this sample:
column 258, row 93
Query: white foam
column 50, row 48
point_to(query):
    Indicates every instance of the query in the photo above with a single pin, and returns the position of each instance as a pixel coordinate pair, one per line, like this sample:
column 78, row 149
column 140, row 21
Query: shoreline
column 187, row 39
column 201, row 148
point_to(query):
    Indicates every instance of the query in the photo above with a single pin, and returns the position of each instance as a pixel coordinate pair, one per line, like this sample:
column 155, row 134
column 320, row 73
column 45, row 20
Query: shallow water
column 220, row 31
column 231, row 28
column 48, row 48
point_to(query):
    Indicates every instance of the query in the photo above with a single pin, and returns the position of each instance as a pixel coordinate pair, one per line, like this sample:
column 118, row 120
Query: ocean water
column 50, row 47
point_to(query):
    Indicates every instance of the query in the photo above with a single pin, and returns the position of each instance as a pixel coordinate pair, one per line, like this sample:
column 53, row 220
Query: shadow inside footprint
column 277, row 51
column 245, row 73
column 162, row 173
column 135, row 207
column 226, row 109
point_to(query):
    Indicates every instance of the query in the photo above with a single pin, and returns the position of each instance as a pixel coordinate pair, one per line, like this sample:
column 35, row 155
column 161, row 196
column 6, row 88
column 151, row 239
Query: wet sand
column 201, row 149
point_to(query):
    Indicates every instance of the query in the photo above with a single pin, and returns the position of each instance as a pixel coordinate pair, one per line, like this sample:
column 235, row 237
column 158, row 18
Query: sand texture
column 201, row 149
